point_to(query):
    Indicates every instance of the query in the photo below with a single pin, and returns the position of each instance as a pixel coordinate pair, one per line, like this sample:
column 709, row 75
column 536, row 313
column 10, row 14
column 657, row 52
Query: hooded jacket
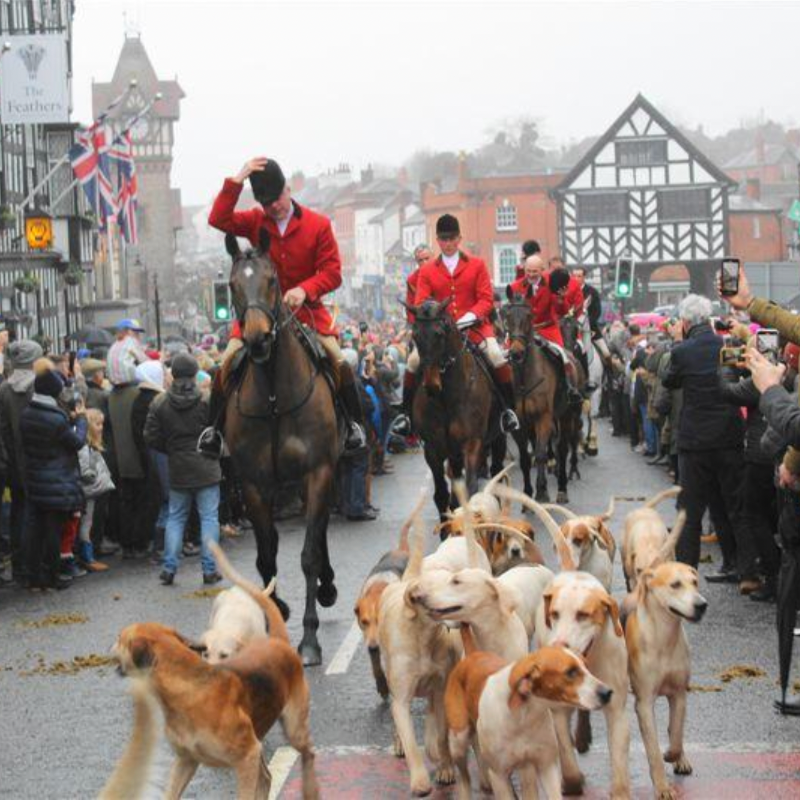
column 174, row 422
column 15, row 394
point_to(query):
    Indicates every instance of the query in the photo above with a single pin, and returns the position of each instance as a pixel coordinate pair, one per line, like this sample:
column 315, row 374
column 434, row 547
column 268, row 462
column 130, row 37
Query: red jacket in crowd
column 469, row 287
column 572, row 300
column 306, row 255
column 544, row 306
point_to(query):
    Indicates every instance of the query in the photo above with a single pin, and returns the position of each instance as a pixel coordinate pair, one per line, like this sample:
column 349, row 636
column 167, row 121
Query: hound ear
column 410, row 601
column 232, row 245
column 613, row 609
column 198, row 647
column 547, row 597
column 141, row 653
column 507, row 598
column 523, row 688
column 596, row 533
column 263, row 241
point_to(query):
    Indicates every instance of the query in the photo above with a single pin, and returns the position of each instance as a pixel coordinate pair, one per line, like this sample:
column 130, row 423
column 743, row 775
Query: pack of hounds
column 503, row 649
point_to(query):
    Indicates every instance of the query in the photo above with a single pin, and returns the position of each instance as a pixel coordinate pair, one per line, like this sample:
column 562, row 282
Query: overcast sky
column 315, row 84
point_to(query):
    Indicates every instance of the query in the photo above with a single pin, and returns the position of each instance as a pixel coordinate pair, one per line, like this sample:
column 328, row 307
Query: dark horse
column 541, row 401
column 454, row 409
column 573, row 422
column 281, row 427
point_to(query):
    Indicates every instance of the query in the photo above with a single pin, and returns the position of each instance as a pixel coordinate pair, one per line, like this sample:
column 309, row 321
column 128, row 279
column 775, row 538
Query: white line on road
column 280, row 765
column 344, row 655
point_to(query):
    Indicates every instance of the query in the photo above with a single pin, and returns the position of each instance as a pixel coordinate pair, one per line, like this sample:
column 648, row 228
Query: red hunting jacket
column 543, row 304
column 469, row 287
column 411, row 292
column 571, row 301
column 306, row 255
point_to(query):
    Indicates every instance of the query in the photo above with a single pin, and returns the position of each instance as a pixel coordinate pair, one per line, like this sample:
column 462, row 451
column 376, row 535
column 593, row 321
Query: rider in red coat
column 306, row 257
column 422, row 253
column 464, row 280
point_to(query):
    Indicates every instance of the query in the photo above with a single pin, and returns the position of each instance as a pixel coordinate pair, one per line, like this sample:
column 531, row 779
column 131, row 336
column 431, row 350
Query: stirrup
column 355, row 438
column 508, row 421
column 210, row 443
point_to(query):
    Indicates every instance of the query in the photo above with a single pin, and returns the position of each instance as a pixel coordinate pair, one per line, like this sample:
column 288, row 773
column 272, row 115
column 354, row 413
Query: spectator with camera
column 710, row 449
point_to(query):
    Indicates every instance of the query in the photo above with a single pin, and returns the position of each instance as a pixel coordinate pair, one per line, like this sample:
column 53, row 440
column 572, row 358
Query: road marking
column 280, row 765
column 344, row 655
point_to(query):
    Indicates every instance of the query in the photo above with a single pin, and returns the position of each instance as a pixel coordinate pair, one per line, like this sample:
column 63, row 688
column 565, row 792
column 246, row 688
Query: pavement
column 63, row 725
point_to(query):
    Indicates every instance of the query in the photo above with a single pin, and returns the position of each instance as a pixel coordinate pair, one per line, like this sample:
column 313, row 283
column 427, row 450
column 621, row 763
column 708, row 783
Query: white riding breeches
column 489, row 347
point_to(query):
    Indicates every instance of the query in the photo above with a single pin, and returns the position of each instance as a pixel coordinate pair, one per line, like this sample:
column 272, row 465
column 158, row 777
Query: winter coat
column 174, row 423
column 543, row 305
column 743, row 393
column 306, row 255
column 51, row 445
column 15, row 394
column 120, row 412
column 141, row 406
column 668, row 403
column 95, row 474
column 707, row 422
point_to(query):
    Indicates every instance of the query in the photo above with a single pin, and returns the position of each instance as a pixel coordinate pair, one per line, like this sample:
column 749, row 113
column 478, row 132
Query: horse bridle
column 448, row 361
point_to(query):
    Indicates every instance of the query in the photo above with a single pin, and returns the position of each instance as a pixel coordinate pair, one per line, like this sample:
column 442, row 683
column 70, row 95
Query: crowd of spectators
column 99, row 459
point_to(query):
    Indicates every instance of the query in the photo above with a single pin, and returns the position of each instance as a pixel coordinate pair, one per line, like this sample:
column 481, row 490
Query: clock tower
column 159, row 210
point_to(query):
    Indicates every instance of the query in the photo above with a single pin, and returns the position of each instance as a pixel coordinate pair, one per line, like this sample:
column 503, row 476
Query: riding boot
column 505, row 383
column 402, row 423
column 590, row 385
column 574, row 397
column 355, row 438
column 210, row 441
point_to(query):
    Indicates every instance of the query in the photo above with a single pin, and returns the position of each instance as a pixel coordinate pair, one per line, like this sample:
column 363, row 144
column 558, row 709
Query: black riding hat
column 268, row 183
column 559, row 279
column 447, row 225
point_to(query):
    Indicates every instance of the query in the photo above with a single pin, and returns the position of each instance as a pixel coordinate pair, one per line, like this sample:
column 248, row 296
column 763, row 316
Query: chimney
column 367, row 175
column 760, row 149
column 753, row 188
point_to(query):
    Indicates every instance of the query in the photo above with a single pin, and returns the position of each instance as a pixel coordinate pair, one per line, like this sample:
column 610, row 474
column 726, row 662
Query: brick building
column 497, row 213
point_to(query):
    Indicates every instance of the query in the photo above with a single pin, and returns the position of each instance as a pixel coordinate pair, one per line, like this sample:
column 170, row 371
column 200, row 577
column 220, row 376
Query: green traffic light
column 623, row 289
column 222, row 313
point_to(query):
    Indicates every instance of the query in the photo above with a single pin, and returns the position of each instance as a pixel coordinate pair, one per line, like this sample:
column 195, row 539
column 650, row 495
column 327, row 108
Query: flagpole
column 117, row 140
column 65, row 158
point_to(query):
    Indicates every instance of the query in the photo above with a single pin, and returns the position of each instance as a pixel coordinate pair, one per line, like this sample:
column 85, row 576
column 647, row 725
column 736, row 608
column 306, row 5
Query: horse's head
column 518, row 320
column 256, row 295
column 570, row 331
column 434, row 331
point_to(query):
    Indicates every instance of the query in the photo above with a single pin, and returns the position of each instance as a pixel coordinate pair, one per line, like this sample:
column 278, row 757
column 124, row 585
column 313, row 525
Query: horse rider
column 594, row 309
column 306, row 257
column 465, row 281
column 530, row 247
column 545, row 293
column 569, row 299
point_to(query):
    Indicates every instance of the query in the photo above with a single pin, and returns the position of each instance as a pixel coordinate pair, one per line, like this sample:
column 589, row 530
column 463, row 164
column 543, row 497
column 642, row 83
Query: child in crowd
column 96, row 480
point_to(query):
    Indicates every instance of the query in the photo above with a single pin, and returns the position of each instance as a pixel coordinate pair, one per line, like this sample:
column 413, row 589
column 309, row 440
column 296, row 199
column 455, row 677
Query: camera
column 729, row 276
column 732, row 356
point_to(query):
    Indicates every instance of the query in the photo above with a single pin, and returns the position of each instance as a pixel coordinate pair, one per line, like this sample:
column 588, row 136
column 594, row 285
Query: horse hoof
column 543, row 497
column 282, row 607
column 311, row 654
column 591, row 451
column 326, row 594
column 561, row 498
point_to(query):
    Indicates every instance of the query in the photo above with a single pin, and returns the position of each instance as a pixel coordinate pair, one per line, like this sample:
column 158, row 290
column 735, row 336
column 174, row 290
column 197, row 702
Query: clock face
column 140, row 129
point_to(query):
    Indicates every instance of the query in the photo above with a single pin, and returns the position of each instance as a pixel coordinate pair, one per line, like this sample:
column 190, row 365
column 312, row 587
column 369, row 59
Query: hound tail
column 417, row 553
column 277, row 627
column 408, row 524
column 659, row 498
column 473, row 548
column 128, row 781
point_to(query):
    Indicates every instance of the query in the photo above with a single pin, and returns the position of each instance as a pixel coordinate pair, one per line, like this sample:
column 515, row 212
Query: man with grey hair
column 710, row 449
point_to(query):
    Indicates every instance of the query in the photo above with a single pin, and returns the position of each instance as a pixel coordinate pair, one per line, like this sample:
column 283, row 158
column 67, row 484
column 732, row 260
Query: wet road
column 62, row 730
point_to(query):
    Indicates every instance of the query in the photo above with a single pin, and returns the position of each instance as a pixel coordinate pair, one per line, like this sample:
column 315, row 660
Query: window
column 756, row 227
column 684, row 205
column 506, row 217
column 606, row 208
column 644, row 153
column 506, row 260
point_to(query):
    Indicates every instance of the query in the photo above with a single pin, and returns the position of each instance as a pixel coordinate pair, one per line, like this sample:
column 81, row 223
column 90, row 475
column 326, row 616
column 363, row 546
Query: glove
column 468, row 319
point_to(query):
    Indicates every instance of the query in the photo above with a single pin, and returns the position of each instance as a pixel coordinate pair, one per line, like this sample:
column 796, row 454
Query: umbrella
column 93, row 336
column 788, row 595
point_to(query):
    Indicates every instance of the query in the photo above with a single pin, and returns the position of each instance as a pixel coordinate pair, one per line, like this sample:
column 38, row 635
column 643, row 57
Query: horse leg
column 544, row 432
column 575, row 438
column 562, row 456
column 473, row 458
column 441, row 492
column 521, row 438
column 318, row 484
column 327, row 592
column 455, row 469
column 259, row 511
column 499, row 450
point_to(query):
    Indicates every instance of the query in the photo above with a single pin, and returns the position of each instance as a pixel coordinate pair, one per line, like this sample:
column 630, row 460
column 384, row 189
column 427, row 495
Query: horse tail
column 404, row 531
column 473, row 548
column 129, row 778
column 562, row 548
column 659, row 498
column 277, row 627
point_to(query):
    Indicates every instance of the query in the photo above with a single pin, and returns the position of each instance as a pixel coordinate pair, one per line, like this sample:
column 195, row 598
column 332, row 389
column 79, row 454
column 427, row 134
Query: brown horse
column 281, row 428
column 454, row 411
column 572, row 422
column 540, row 399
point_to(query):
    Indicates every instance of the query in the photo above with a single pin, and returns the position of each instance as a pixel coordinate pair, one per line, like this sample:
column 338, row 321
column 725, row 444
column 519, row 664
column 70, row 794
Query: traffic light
column 222, row 301
column 623, row 279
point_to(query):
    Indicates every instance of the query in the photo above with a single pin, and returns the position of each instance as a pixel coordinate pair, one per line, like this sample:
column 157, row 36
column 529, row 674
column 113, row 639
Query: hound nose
column 373, row 648
column 604, row 695
column 700, row 607
column 516, row 552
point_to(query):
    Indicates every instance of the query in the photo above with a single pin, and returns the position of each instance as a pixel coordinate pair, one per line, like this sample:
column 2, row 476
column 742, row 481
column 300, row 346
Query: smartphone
column 729, row 276
column 767, row 343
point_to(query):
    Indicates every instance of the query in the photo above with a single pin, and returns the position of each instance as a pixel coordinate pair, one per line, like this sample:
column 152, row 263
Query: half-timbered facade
column 644, row 191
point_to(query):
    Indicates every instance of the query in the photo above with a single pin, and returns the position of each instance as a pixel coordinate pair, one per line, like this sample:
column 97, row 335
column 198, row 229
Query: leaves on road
column 741, row 672
column 55, row 620
column 202, row 594
column 78, row 664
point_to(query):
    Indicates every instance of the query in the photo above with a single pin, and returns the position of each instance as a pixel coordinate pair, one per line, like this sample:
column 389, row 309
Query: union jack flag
column 91, row 164
column 127, row 186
